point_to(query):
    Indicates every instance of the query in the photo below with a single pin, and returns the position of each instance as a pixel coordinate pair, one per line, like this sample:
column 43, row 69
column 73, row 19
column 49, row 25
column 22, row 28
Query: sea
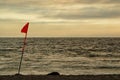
column 68, row 56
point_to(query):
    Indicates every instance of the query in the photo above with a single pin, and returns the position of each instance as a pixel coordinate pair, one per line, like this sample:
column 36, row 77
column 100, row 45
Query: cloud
column 97, row 1
column 52, row 17
column 90, row 13
column 55, row 2
column 79, row 13
column 50, row 11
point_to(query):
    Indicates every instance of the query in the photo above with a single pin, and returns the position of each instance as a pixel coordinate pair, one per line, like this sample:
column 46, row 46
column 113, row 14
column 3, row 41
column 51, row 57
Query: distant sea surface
column 68, row 56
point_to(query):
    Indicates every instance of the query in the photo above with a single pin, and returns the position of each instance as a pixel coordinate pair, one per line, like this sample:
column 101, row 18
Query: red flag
column 25, row 28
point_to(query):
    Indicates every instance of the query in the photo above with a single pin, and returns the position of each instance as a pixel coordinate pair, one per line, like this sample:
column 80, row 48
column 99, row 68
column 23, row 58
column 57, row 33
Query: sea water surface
column 68, row 56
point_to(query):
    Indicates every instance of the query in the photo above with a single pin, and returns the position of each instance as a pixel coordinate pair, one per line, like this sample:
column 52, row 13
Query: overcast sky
column 60, row 18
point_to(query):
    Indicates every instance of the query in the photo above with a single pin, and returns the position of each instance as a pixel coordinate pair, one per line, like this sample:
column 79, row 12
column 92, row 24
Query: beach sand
column 59, row 77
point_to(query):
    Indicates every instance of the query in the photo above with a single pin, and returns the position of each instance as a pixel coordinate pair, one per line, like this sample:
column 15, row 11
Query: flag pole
column 22, row 53
column 23, row 30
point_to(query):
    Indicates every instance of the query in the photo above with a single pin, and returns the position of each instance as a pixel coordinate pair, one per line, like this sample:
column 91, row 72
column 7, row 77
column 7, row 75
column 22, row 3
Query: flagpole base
column 17, row 74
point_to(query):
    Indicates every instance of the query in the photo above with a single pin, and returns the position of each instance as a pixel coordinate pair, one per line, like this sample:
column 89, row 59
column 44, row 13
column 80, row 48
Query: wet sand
column 59, row 77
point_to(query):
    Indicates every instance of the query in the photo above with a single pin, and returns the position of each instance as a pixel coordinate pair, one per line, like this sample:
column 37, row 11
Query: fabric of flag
column 25, row 28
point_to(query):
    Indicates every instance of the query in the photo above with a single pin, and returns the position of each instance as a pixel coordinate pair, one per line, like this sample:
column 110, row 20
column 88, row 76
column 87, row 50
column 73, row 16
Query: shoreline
column 61, row 77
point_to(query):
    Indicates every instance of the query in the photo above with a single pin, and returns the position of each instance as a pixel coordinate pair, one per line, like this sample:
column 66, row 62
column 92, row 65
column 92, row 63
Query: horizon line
column 61, row 37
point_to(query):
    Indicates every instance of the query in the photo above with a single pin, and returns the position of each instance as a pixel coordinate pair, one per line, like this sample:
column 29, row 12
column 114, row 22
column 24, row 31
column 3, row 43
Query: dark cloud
column 12, row 20
column 58, row 12
column 88, row 13
column 97, row 1
column 49, row 2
